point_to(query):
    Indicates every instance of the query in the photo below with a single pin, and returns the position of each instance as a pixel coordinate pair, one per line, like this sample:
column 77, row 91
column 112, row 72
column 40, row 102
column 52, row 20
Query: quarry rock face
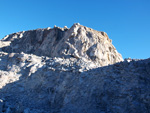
column 75, row 70
column 78, row 41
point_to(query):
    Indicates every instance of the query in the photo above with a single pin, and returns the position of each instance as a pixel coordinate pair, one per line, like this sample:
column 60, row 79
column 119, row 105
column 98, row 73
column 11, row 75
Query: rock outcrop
column 78, row 41
column 74, row 70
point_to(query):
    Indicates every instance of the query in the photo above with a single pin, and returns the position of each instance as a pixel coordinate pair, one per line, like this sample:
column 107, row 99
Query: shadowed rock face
column 78, row 41
column 29, row 83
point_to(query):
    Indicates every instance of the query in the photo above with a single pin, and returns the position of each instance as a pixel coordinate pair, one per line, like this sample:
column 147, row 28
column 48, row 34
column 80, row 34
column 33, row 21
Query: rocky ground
column 74, row 82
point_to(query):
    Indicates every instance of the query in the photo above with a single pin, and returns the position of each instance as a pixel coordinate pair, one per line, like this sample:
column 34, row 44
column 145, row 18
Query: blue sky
column 127, row 22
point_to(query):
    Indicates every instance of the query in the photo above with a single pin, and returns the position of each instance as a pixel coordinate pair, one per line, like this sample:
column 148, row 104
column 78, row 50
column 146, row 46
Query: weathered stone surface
column 78, row 41
column 49, row 79
column 1, row 105
column 44, row 84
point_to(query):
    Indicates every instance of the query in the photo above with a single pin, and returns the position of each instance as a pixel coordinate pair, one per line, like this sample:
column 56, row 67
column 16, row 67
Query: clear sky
column 127, row 22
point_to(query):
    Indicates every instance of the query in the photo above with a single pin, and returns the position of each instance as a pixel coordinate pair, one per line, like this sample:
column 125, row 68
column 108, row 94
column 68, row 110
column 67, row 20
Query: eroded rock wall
column 78, row 41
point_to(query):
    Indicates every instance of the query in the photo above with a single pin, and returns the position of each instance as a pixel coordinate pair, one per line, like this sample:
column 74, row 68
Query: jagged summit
column 78, row 41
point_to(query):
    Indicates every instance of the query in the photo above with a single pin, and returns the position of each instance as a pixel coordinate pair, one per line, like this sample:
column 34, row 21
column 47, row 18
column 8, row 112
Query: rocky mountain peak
column 78, row 41
column 66, row 70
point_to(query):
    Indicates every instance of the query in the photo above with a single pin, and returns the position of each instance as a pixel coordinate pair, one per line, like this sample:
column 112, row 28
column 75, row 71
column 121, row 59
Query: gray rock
column 74, row 70
column 1, row 105
column 27, row 110
column 78, row 41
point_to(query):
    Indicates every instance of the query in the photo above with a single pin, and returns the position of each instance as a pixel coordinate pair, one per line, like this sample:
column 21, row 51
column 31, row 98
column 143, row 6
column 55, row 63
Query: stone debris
column 74, row 70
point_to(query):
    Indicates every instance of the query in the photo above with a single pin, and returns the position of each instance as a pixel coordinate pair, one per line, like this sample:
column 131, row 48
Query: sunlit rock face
column 63, row 70
column 78, row 41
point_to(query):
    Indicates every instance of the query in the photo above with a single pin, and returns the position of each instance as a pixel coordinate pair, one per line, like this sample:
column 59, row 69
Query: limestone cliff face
column 78, row 41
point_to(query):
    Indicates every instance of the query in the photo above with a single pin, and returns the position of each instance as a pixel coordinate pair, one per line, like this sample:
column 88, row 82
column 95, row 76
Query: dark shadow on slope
column 123, row 87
